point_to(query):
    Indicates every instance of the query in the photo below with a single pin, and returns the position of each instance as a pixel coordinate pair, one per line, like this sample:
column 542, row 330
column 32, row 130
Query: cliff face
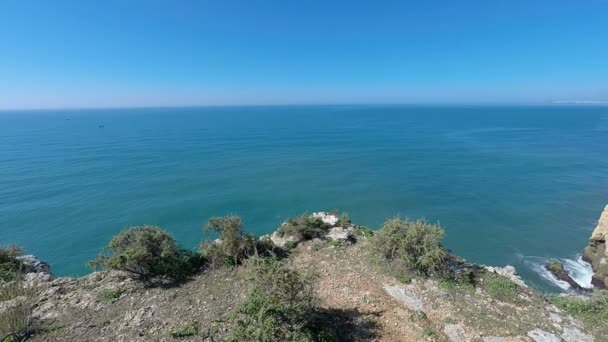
column 596, row 253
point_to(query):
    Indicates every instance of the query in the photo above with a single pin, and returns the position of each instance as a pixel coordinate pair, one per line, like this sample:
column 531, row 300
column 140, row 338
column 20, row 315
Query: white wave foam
column 578, row 269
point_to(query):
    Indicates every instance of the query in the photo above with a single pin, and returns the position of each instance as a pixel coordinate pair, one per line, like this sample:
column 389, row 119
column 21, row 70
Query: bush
column 147, row 252
column 591, row 310
column 280, row 306
column 10, row 267
column 303, row 227
column 413, row 245
column 234, row 245
column 185, row 330
column 363, row 231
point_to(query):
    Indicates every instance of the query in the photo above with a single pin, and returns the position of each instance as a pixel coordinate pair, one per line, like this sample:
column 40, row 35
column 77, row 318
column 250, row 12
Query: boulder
column 329, row 219
column 281, row 241
column 508, row 272
column 35, row 269
column 596, row 253
column 557, row 269
column 341, row 234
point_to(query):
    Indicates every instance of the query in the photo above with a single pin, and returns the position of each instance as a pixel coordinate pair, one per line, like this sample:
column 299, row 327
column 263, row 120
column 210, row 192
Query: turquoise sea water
column 511, row 185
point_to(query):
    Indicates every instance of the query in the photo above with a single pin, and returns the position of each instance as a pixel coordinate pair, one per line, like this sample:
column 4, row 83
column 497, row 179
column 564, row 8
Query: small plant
column 411, row 245
column 405, row 278
column 185, row 330
column 10, row 266
column 429, row 331
column 452, row 284
column 421, row 315
column 109, row 295
column 591, row 310
column 499, row 287
column 291, row 245
column 147, row 252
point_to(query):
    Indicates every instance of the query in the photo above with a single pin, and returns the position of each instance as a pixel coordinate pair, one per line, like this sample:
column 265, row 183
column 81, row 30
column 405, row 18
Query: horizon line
column 438, row 104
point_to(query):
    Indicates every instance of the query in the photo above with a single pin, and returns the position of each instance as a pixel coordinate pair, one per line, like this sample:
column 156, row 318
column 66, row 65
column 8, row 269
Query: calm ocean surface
column 510, row 185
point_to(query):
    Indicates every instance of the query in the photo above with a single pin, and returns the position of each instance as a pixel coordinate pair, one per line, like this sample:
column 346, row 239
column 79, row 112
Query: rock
column 406, row 297
column 281, row 241
column 494, row 339
column 572, row 334
column 557, row 269
column 596, row 253
column 329, row 219
column 340, row 234
column 508, row 272
column 538, row 335
column 35, row 269
column 455, row 333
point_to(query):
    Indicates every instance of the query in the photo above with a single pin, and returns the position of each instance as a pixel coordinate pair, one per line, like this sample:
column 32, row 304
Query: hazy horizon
column 72, row 54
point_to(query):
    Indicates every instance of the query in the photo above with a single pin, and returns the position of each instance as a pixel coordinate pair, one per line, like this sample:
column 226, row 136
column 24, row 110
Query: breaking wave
column 578, row 269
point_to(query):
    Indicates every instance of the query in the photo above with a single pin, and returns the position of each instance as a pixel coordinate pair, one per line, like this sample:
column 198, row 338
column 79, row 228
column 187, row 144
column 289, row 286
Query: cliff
column 596, row 253
column 353, row 293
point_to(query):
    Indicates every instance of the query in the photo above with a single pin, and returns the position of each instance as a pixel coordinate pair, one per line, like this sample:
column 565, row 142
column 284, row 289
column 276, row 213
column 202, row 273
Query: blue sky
column 163, row 53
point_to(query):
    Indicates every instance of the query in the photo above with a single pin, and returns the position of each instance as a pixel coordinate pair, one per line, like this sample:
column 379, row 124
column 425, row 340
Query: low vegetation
column 411, row 246
column 499, row 287
column 109, row 295
column 187, row 330
column 15, row 318
column 10, row 266
column 233, row 245
column 148, row 253
column 280, row 306
column 303, row 227
column 593, row 310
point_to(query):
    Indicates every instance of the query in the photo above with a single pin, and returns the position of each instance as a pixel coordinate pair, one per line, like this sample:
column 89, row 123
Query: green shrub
column 429, row 331
column 303, row 227
column 185, row 330
column 344, row 220
column 10, row 267
column 593, row 310
column 233, row 245
column 363, row 231
column 280, row 306
column 412, row 245
column 291, row 245
column 147, row 252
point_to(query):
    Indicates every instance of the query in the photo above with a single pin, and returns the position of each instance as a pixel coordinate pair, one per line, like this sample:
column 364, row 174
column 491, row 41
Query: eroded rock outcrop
column 35, row 269
column 596, row 253
column 557, row 269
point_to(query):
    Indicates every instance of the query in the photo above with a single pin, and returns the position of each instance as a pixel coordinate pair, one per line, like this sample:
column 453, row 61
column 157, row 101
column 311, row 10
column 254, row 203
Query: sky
column 85, row 53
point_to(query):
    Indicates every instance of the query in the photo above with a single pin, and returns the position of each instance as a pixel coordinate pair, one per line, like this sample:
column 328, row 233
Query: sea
column 511, row 185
